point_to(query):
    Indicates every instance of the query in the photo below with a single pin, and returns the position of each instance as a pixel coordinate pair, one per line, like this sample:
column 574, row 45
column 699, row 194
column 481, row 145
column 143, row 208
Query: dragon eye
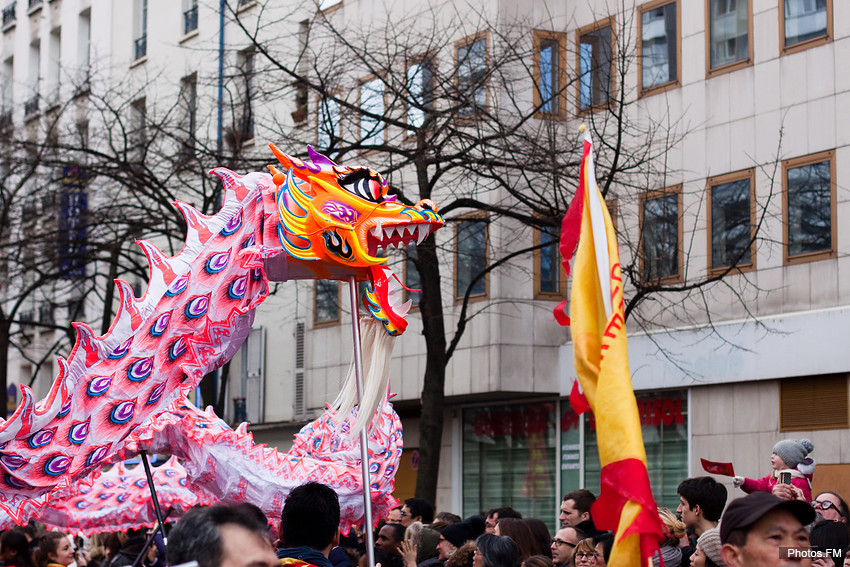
column 364, row 184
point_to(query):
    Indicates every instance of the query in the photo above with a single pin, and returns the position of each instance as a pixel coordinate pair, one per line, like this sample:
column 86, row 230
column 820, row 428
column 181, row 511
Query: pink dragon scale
column 120, row 498
column 316, row 220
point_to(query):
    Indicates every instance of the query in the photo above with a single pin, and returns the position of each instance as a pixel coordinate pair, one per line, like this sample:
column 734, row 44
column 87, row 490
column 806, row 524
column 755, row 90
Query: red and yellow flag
column 625, row 503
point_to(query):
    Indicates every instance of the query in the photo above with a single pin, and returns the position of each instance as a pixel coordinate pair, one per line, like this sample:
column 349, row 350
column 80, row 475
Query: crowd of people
column 777, row 523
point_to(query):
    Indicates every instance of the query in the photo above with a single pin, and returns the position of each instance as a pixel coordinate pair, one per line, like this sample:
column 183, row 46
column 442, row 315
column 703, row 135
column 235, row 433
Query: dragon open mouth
column 383, row 299
column 396, row 236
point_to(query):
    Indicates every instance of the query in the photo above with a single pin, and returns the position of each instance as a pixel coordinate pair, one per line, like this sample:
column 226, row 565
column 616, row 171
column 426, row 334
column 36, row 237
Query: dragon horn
column 284, row 159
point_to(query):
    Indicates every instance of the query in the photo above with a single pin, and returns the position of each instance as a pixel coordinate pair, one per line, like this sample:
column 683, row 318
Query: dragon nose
column 427, row 204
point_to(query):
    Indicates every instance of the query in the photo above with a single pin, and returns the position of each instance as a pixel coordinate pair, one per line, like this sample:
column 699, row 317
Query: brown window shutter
column 814, row 402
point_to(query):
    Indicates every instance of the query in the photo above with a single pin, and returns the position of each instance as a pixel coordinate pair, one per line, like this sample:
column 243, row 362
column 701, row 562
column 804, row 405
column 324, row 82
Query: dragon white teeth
column 424, row 231
column 409, row 230
column 376, row 231
column 404, row 308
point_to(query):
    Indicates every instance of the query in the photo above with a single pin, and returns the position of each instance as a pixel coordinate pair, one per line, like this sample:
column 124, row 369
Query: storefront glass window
column 570, row 449
column 509, row 459
column 664, row 422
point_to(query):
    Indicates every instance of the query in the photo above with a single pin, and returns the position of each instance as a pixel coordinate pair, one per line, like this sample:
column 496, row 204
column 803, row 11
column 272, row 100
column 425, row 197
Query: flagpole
column 364, row 447
column 149, row 541
column 152, row 488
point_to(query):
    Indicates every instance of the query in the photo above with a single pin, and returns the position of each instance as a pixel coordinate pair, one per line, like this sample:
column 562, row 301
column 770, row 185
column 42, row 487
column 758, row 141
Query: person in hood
column 790, row 456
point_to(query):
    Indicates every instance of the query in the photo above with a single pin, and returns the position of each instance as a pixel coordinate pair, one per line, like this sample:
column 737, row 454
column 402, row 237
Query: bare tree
column 462, row 106
column 77, row 194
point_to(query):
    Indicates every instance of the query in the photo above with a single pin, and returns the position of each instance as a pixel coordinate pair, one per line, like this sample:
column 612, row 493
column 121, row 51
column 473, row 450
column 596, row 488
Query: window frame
column 320, row 101
column 140, row 30
column 458, row 297
column 139, row 120
column 809, row 43
column 668, row 85
column 407, row 263
column 246, row 63
column 326, row 322
column 410, row 131
column 538, row 270
column 188, row 6
column 560, row 39
column 649, row 196
column 383, row 125
column 337, row 4
column 803, row 161
column 188, row 101
column 612, row 95
column 710, row 183
column 466, row 41
column 735, row 65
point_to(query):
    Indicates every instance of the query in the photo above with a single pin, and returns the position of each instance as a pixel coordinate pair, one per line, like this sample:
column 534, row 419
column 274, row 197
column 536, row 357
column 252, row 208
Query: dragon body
column 315, row 220
column 120, row 498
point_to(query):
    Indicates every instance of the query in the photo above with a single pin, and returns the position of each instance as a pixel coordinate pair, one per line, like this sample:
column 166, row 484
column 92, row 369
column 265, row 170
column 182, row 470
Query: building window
column 328, row 123
column 137, row 136
column 302, row 91
column 328, row 4
column 9, row 16
column 54, row 65
column 412, row 279
column 471, row 57
column 372, row 102
column 729, row 35
column 798, row 396
column 731, row 221
column 596, row 65
column 189, row 105
column 33, row 78
column 326, row 302
column 548, row 275
column 664, row 425
column 509, row 459
column 805, row 23
column 84, row 48
column 7, row 93
column 72, row 229
column 659, row 47
column 420, row 84
column 661, row 234
column 550, row 61
column 140, row 24
column 809, row 203
column 190, row 16
column 249, row 392
column 245, row 69
column 471, row 258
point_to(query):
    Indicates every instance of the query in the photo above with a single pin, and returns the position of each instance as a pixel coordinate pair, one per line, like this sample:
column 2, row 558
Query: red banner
column 713, row 467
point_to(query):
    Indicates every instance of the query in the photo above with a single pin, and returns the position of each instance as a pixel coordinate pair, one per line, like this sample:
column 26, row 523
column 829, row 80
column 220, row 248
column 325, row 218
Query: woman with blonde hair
column 585, row 553
column 675, row 530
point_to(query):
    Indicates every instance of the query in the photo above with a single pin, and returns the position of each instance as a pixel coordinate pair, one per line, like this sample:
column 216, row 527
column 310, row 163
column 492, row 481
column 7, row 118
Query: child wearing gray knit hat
column 791, row 465
column 709, row 545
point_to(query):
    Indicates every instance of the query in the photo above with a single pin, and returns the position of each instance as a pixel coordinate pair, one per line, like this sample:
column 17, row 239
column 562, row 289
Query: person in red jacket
column 789, row 460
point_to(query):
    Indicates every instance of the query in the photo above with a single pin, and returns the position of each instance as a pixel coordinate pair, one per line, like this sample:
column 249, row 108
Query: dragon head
column 337, row 219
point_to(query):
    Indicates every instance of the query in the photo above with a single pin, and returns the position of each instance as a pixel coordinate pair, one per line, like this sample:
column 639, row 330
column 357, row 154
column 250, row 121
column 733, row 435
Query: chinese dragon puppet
column 125, row 391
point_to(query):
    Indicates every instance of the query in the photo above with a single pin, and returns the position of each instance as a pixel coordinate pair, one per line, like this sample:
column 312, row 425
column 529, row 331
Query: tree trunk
column 433, row 323
column 109, row 295
column 5, row 326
